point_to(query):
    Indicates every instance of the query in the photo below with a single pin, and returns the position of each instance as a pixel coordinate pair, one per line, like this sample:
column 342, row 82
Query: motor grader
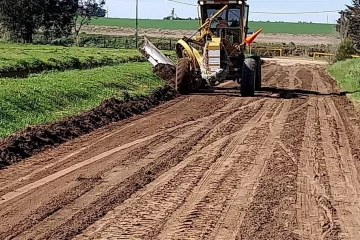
column 216, row 51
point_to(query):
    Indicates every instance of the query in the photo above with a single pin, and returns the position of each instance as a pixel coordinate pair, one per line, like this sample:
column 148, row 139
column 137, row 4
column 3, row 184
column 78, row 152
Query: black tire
column 258, row 76
column 183, row 76
column 247, row 86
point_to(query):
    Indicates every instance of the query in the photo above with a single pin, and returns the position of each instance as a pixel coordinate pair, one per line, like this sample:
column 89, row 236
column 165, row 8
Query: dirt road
column 281, row 165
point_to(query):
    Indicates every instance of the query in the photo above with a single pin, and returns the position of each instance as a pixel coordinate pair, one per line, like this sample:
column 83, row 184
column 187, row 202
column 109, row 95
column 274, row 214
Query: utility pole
column 137, row 23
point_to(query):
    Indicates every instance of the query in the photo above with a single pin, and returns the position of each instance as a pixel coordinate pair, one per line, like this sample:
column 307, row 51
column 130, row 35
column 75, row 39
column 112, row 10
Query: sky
column 158, row 9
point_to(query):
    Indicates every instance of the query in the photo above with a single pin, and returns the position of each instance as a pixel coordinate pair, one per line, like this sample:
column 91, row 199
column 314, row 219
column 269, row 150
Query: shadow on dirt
column 269, row 92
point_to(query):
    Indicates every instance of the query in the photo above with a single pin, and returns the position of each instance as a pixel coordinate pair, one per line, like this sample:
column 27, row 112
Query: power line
column 190, row 4
column 291, row 13
column 261, row 12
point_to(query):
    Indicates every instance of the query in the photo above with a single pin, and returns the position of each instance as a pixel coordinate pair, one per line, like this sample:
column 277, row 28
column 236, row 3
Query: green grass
column 347, row 74
column 269, row 27
column 20, row 57
column 48, row 97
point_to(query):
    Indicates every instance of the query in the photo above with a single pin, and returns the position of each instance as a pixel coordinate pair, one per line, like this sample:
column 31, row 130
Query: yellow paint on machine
column 214, row 54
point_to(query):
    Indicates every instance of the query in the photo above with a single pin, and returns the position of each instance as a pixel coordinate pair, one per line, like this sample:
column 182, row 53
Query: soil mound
column 33, row 140
column 166, row 72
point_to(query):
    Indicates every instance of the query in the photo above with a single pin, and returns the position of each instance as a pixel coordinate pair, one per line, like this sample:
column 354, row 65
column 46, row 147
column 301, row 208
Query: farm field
column 202, row 166
column 269, row 27
column 37, row 58
column 302, row 39
column 48, row 97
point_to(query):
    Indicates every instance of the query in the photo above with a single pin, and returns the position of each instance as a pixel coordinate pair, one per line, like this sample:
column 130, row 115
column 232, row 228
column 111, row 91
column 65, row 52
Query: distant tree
column 23, row 18
column 99, row 12
column 58, row 18
column 86, row 11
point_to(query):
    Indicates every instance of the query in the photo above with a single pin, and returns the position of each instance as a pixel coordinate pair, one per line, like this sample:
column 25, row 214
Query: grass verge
column 20, row 59
column 347, row 75
column 48, row 97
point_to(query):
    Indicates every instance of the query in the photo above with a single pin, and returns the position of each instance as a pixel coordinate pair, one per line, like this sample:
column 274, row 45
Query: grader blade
column 154, row 55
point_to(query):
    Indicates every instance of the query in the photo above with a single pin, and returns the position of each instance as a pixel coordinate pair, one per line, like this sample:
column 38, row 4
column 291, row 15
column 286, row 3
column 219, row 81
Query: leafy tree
column 23, row 18
column 345, row 50
column 87, row 10
column 58, row 18
column 349, row 24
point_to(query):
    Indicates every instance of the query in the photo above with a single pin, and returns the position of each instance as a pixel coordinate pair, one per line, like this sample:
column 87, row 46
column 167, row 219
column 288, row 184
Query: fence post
column 170, row 45
column 126, row 43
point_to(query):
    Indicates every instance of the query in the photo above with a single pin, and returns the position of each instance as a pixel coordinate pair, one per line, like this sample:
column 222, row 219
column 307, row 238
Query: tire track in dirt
column 268, row 75
column 214, row 116
column 165, row 112
column 309, row 187
column 206, row 202
column 272, row 212
column 312, row 179
column 220, row 112
column 71, row 159
column 274, row 77
column 233, row 214
column 120, row 229
column 344, row 205
column 120, row 192
column 116, row 175
column 51, row 165
column 307, row 77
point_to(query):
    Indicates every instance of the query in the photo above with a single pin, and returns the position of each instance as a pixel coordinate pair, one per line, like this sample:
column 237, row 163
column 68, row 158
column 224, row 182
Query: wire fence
column 122, row 42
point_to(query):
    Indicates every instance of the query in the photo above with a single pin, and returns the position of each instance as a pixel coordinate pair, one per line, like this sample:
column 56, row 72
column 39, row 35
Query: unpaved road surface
column 281, row 165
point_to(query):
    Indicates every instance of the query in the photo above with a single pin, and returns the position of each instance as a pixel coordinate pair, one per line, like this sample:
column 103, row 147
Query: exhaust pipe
column 154, row 55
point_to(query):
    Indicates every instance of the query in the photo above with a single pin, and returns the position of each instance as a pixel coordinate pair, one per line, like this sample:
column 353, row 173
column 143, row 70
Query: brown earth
column 280, row 165
column 301, row 39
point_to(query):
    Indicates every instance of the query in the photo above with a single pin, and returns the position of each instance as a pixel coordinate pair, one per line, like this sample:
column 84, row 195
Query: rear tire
column 258, row 76
column 183, row 76
column 247, row 87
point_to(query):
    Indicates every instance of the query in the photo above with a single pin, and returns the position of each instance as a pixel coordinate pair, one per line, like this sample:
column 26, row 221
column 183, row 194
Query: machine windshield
column 229, row 18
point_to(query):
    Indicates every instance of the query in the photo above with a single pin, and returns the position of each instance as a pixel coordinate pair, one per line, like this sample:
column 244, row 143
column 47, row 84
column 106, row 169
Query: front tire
column 183, row 76
column 247, row 87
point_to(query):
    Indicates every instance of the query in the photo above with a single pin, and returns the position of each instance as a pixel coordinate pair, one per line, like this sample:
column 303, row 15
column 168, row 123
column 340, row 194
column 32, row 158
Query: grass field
column 347, row 74
column 20, row 57
column 48, row 97
column 269, row 27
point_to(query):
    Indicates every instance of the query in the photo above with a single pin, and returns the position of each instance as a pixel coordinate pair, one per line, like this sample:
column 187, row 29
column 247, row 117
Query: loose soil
column 281, row 165
column 166, row 72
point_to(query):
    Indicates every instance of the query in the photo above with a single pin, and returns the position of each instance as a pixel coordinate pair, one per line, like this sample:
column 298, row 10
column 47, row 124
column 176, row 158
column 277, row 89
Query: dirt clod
column 166, row 72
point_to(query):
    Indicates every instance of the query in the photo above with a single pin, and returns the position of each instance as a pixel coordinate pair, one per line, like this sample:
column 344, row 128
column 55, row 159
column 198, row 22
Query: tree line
column 348, row 25
column 20, row 20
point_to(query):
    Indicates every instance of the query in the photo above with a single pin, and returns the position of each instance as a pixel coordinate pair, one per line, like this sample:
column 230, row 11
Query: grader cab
column 216, row 51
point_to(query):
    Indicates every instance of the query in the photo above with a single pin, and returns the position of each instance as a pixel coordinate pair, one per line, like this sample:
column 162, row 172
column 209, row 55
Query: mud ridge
column 35, row 139
column 166, row 72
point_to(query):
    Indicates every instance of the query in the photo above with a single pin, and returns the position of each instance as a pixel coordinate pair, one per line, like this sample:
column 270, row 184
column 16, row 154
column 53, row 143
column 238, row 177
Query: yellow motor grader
column 216, row 51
